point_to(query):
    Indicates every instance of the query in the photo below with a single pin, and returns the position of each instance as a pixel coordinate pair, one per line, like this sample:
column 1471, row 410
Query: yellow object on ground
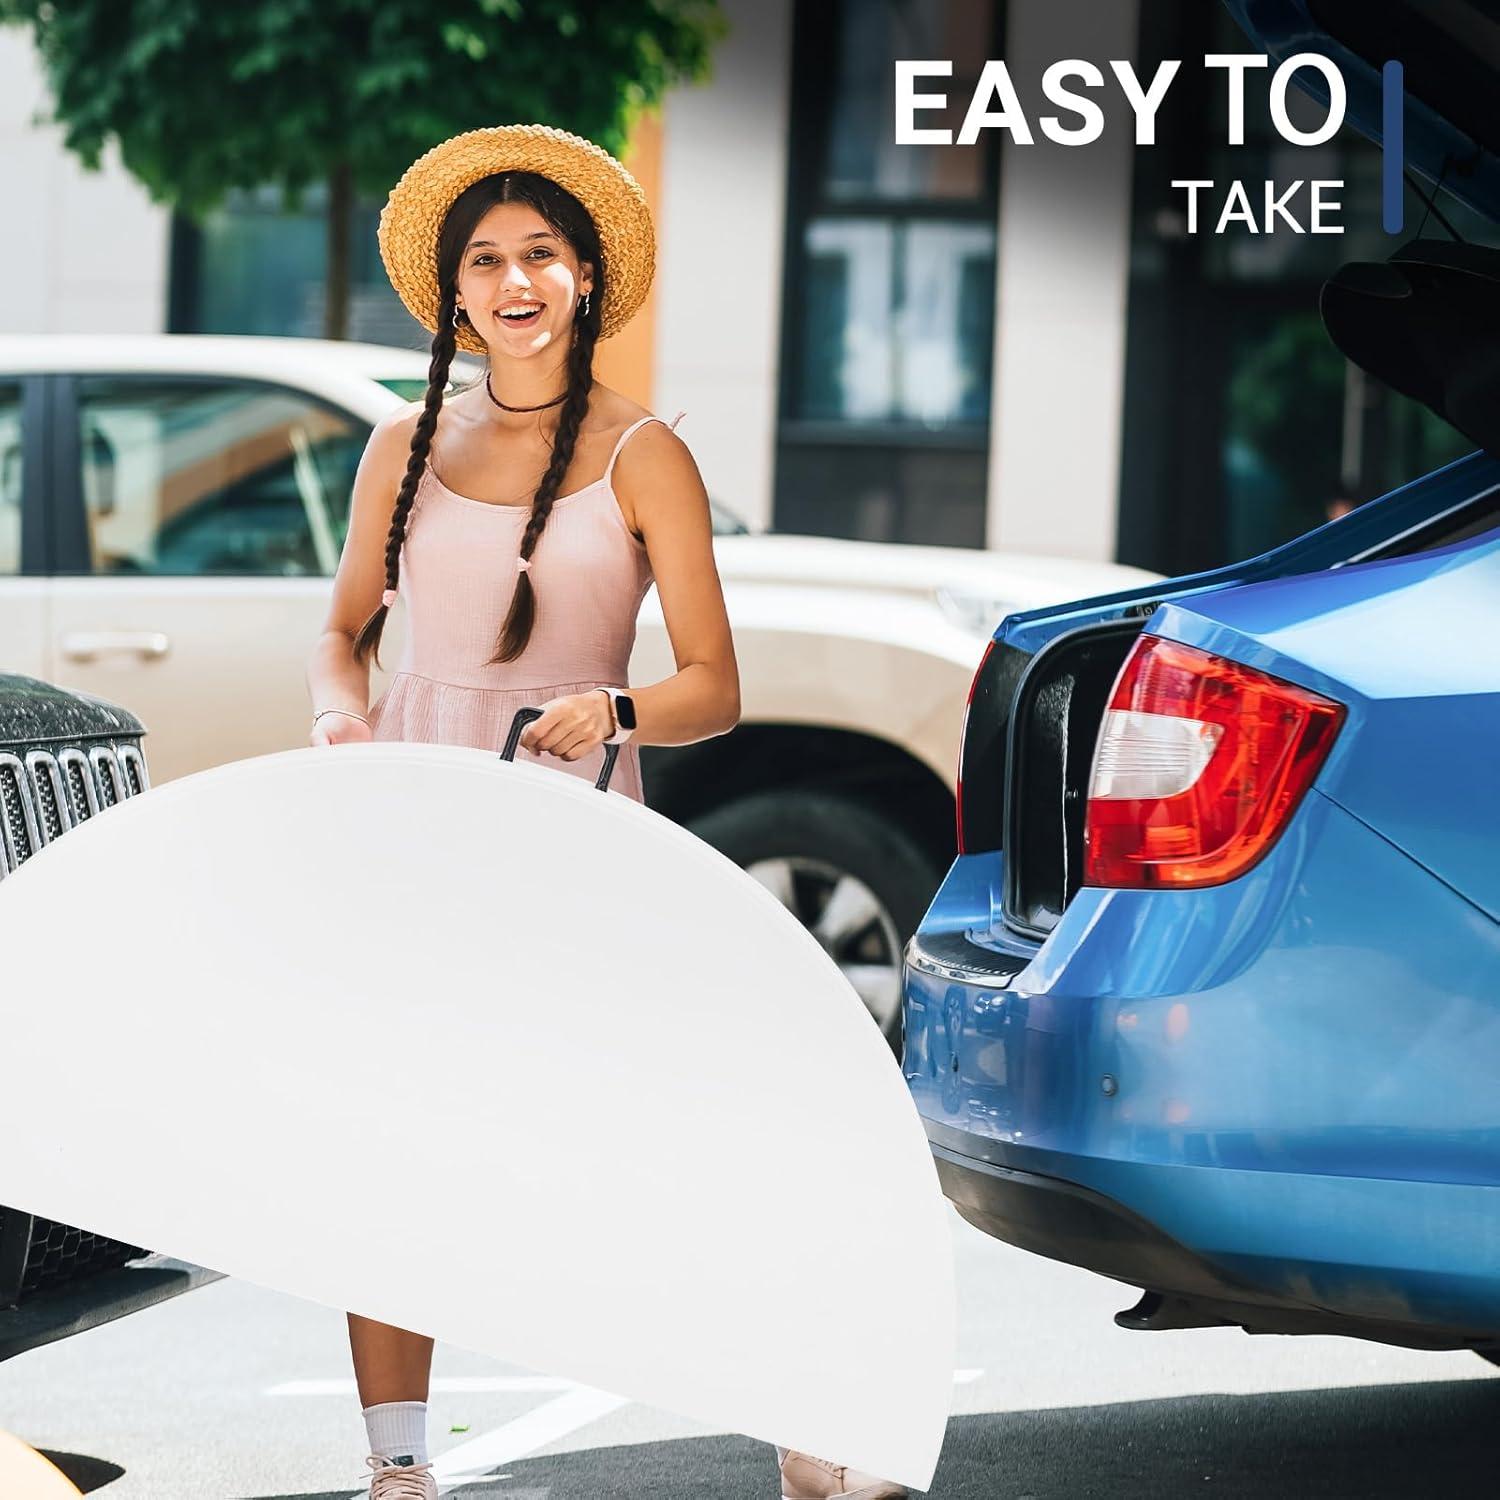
column 26, row 1475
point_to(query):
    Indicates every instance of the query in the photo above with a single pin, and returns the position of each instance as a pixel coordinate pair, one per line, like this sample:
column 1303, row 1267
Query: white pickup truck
column 171, row 511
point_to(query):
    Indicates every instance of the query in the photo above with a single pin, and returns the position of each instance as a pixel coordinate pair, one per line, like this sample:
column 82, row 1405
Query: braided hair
column 521, row 617
column 444, row 341
column 568, row 217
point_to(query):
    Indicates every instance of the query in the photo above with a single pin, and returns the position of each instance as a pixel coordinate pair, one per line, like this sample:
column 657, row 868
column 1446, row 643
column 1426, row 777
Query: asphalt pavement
column 234, row 1392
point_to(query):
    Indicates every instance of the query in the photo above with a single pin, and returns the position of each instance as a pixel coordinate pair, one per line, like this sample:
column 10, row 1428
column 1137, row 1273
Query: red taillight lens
column 1200, row 764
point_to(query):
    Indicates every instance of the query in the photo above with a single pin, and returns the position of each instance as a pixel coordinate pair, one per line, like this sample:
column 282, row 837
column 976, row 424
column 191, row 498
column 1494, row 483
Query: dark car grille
column 43, row 794
column 56, row 1253
column 1055, row 722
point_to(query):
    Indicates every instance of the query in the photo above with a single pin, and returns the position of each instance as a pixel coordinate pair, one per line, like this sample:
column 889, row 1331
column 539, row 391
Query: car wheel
column 856, row 881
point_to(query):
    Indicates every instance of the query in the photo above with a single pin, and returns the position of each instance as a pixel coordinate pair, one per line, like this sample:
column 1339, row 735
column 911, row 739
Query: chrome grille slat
column 45, row 795
column 54, row 812
column 19, row 838
column 133, row 763
column 106, row 766
column 78, row 776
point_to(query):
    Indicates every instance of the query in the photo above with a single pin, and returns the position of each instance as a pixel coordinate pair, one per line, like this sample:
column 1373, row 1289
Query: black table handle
column 524, row 716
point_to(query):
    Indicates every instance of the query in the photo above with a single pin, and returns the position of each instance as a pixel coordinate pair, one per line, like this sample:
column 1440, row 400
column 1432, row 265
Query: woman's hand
column 340, row 729
column 571, row 726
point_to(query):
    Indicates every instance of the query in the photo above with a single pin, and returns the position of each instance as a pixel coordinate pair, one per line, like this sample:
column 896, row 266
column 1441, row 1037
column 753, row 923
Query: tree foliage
column 204, row 96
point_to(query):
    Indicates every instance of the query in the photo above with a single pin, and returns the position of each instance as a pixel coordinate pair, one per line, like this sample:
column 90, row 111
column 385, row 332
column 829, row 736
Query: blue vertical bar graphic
column 1393, row 148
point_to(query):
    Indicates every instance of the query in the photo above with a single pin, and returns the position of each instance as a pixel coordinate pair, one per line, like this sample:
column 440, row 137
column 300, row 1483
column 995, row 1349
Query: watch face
column 625, row 710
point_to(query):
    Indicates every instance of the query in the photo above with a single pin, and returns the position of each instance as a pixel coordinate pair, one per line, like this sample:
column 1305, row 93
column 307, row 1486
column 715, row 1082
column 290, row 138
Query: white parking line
column 447, row 1385
column 469, row 1462
column 546, row 1424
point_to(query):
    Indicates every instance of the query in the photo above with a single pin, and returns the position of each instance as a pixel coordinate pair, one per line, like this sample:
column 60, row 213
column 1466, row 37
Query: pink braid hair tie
column 523, row 565
column 388, row 598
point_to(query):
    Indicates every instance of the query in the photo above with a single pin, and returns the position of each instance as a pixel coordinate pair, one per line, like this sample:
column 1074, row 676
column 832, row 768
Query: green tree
column 205, row 96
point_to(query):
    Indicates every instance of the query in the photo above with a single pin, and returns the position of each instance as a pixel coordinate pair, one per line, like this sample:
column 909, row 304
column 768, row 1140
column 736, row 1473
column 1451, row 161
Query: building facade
column 1002, row 345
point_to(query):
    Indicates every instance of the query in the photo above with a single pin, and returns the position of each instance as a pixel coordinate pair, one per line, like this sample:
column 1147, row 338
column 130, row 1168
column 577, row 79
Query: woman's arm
column 334, row 678
column 656, row 477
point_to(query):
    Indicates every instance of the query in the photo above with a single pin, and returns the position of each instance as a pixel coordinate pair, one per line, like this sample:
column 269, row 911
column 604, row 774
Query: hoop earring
column 586, row 297
column 457, row 312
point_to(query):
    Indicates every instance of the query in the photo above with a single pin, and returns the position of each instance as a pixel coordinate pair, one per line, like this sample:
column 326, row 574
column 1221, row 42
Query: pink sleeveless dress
column 458, row 571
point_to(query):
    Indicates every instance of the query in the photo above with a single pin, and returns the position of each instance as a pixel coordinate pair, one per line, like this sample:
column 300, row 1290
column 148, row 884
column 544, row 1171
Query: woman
column 521, row 521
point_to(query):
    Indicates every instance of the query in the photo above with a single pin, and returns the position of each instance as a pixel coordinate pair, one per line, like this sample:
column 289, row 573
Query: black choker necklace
column 498, row 402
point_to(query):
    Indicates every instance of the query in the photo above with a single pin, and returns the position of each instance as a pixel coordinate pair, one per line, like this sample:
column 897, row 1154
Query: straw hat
column 414, row 213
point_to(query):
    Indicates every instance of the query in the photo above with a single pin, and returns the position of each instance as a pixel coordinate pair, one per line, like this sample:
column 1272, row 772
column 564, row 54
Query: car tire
column 859, row 882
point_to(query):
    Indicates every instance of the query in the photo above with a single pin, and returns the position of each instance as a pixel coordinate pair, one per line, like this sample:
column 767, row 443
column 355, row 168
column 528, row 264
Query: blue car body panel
column 1292, row 1074
column 1296, row 1101
column 1271, row 1102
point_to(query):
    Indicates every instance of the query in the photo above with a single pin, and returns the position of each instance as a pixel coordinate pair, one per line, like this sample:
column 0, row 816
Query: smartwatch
column 622, row 707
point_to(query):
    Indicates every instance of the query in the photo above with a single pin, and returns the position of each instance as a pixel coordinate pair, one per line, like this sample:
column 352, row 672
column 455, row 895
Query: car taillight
column 1199, row 766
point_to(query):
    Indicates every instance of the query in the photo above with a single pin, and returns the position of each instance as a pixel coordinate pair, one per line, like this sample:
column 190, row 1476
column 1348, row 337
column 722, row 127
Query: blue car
column 1209, row 1001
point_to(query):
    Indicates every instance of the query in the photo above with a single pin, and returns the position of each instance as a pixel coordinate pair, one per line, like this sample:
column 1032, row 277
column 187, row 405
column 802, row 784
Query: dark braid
column 444, row 341
column 516, row 631
column 570, row 220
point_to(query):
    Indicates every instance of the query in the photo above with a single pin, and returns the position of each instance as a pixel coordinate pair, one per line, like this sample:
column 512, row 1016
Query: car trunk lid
column 1427, row 321
column 1450, row 56
column 1040, row 695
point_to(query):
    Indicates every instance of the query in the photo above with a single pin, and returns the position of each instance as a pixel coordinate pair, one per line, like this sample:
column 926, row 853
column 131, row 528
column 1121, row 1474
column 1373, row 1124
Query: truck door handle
column 86, row 645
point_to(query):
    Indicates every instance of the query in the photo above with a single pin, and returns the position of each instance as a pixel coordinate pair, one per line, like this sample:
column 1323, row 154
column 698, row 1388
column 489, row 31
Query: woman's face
column 515, row 263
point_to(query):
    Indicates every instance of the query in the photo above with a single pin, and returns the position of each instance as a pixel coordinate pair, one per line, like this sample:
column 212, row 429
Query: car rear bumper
column 1289, row 1286
column 1273, row 1094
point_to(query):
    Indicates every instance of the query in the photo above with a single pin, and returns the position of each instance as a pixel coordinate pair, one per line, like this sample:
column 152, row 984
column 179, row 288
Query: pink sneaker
column 804, row 1477
column 395, row 1480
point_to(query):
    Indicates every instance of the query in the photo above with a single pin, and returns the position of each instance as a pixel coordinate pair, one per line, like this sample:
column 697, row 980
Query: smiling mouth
column 521, row 316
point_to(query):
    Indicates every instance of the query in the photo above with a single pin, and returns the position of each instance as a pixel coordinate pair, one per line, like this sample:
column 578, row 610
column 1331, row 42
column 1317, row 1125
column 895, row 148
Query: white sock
column 398, row 1429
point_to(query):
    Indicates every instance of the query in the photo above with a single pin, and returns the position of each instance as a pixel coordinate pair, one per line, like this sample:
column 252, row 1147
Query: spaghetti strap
column 624, row 436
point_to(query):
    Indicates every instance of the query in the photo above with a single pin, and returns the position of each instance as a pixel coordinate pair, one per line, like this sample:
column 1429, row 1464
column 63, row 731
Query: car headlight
column 976, row 613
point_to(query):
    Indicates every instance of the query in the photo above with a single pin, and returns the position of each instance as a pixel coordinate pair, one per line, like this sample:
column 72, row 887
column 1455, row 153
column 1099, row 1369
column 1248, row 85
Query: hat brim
column 418, row 204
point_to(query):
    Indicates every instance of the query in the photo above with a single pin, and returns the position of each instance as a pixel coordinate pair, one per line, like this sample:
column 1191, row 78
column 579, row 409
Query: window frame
column 74, row 555
column 36, row 425
column 814, row 38
column 815, row 32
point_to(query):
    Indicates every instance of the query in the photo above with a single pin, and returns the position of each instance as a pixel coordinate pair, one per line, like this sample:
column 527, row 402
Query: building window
column 250, row 266
column 889, row 294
